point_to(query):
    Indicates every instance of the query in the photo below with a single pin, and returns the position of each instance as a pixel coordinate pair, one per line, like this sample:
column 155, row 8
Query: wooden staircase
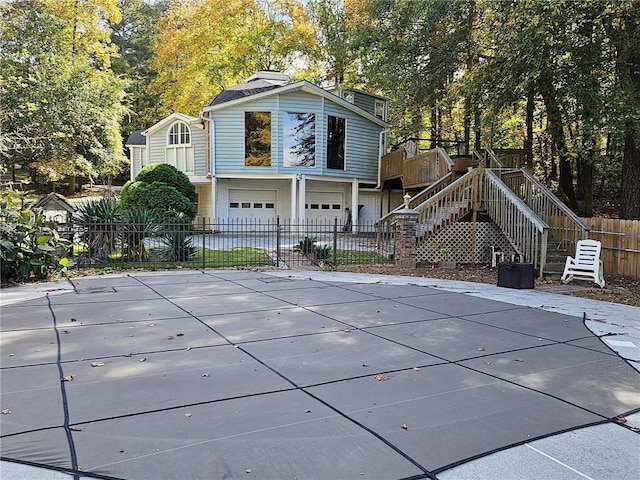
column 539, row 227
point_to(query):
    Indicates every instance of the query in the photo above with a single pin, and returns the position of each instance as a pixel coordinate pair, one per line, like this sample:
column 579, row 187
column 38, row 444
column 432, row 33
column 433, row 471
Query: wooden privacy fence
column 620, row 244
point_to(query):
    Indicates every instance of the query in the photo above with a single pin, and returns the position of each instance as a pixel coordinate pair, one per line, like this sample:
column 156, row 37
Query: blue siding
column 229, row 125
column 361, row 145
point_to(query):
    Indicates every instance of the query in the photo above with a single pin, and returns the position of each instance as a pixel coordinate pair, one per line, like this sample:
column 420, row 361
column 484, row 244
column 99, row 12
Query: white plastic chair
column 586, row 265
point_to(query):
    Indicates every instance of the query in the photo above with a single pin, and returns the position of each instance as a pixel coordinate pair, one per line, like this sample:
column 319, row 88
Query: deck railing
column 426, row 168
column 526, row 231
column 392, row 164
column 565, row 227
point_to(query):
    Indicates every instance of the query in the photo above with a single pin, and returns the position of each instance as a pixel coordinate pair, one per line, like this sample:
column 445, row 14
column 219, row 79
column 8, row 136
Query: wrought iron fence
column 123, row 244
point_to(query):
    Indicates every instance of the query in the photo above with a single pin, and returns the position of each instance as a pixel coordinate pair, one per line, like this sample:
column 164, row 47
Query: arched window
column 179, row 148
column 179, row 134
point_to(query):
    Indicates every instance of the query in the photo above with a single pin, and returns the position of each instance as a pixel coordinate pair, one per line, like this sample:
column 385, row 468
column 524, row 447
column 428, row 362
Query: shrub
column 178, row 241
column 28, row 244
column 138, row 224
column 159, row 198
column 98, row 221
column 322, row 252
column 162, row 172
column 306, row 245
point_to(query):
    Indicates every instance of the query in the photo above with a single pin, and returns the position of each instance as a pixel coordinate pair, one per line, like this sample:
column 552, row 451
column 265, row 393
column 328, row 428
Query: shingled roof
column 260, row 82
column 136, row 138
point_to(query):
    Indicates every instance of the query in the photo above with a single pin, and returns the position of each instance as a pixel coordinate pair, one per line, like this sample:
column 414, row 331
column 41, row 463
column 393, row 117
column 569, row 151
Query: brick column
column 405, row 236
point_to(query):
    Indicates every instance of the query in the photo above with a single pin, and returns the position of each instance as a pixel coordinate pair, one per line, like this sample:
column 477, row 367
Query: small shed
column 56, row 209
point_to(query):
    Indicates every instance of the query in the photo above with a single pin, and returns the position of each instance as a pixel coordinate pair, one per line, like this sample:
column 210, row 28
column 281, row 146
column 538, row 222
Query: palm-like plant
column 138, row 224
column 98, row 220
column 177, row 238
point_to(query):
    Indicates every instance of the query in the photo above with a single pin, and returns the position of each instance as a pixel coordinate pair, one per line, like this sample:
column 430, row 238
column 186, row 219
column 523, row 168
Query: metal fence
column 224, row 244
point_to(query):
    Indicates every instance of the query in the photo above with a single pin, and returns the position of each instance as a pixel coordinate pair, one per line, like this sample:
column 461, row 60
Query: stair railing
column 447, row 205
column 383, row 226
column 565, row 227
column 526, row 231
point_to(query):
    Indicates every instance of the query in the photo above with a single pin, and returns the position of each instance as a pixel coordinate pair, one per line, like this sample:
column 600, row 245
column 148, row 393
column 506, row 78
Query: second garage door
column 258, row 205
column 324, row 206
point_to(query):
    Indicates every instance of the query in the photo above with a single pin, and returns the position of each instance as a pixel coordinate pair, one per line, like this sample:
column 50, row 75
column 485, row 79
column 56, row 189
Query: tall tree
column 59, row 97
column 204, row 46
column 133, row 37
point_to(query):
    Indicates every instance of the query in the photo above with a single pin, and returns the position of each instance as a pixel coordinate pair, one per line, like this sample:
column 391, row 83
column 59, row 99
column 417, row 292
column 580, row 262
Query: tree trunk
column 559, row 147
column 434, row 127
column 476, row 129
column 528, row 141
column 586, row 182
column 467, row 126
column 630, row 189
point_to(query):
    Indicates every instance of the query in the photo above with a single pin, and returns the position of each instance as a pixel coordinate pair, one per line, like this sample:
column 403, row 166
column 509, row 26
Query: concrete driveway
column 273, row 375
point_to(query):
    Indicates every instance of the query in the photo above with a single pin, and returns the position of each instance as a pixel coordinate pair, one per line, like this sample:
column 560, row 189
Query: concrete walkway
column 279, row 320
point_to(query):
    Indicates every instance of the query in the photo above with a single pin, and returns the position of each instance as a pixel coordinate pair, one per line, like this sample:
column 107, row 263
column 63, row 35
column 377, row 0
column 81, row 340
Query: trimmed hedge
column 162, row 172
column 158, row 197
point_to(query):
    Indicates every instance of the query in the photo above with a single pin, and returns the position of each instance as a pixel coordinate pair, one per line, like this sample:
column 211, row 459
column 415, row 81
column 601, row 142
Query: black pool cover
column 244, row 375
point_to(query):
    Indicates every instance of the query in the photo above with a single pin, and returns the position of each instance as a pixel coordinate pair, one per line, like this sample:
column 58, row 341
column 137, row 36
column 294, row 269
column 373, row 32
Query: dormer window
column 179, row 151
column 179, row 134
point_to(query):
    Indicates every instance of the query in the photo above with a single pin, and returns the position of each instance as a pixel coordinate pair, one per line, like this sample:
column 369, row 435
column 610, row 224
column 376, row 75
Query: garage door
column 257, row 205
column 324, row 206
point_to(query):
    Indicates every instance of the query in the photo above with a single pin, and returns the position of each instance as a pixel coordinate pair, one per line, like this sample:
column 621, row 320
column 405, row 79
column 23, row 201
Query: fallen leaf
column 128, row 354
column 381, row 377
column 68, row 378
column 170, row 337
column 248, row 470
column 307, row 411
column 74, row 320
column 65, row 331
column 143, row 359
column 97, row 364
column 481, row 349
column 151, row 324
column 179, row 334
column 188, row 348
column 12, row 354
column 416, row 368
column 6, row 411
column 621, row 419
column 404, row 426
column 365, row 365
column 75, row 429
column 187, row 415
column 205, row 374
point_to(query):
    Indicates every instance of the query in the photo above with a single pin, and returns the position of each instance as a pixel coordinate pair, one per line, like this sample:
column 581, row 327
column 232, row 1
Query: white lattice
column 458, row 240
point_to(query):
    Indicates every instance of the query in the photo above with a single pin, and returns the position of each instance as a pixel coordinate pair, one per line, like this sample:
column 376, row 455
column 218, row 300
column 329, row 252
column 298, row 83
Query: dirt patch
column 625, row 290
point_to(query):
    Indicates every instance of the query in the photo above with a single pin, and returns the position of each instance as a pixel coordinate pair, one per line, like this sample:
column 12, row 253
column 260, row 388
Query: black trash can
column 516, row 275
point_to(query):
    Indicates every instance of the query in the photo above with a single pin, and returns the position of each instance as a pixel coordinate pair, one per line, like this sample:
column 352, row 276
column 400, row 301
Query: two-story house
column 272, row 147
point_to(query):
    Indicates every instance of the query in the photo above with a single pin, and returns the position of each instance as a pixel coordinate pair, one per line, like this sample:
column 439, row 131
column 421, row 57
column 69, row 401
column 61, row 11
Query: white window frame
column 380, row 105
column 180, row 154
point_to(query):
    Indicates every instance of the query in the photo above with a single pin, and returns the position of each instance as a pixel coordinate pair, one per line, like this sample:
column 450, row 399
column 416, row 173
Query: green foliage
column 60, row 103
column 160, row 198
column 178, row 241
column 138, row 224
column 165, row 173
column 306, row 245
column 322, row 252
column 28, row 244
column 98, row 221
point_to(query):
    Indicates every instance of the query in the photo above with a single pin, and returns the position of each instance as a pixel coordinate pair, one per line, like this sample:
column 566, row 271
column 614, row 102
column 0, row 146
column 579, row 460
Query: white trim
column 294, row 197
column 306, row 87
column 175, row 116
column 354, row 205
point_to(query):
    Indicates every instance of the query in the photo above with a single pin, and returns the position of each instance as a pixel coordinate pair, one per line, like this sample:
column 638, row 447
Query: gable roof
column 175, row 116
column 136, row 139
column 55, row 200
column 302, row 85
column 260, row 82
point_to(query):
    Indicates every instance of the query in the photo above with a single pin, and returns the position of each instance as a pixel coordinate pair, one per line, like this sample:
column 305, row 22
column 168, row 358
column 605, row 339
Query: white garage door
column 257, row 205
column 324, row 206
